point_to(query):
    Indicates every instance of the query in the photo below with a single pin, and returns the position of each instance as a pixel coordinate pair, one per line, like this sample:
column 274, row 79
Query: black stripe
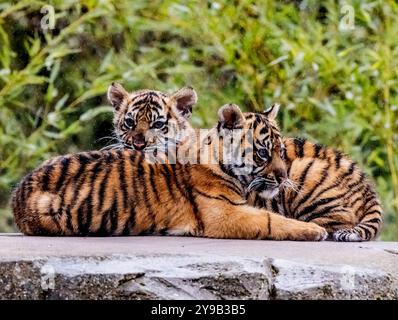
column 61, row 210
column 83, row 158
column 350, row 170
column 122, row 179
column 373, row 211
column 48, row 169
column 324, row 175
column 135, row 197
column 375, row 229
column 353, row 203
column 368, row 233
column 153, row 94
column 339, row 181
column 374, row 220
column 321, row 213
column 64, row 172
column 83, row 162
column 114, row 215
column 80, row 220
column 337, row 159
column 103, row 230
column 155, row 104
column 317, row 149
column 139, row 102
column 229, row 184
column 144, row 94
column 152, row 180
column 275, row 207
column 130, row 222
column 26, row 186
column 79, row 181
column 286, row 209
column 147, row 203
column 332, row 223
column 354, row 189
column 151, row 113
column 104, row 182
column 168, row 176
column 68, row 214
column 177, row 180
column 299, row 147
column 191, row 198
column 371, row 204
column 360, row 181
column 318, row 203
column 220, row 197
column 304, row 174
column 88, row 202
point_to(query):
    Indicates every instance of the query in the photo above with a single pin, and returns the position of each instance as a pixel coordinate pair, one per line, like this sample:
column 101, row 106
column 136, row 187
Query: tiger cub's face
column 265, row 151
column 146, row 119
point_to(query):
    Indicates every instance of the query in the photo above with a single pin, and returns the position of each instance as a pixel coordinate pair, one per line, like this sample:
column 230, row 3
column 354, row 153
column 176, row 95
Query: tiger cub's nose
column 280, row 176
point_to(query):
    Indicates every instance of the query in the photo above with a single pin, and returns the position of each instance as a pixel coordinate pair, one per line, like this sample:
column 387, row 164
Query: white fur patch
column 179, row 231
column 44, row 202
column 269, row 194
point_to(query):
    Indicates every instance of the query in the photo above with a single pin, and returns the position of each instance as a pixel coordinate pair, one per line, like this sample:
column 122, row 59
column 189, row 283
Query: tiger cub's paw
column 313, row 232
column 347, row 235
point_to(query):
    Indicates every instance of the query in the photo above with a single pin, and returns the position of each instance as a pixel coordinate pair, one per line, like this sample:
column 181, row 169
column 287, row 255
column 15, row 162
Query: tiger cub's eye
column 263, row 154
column 129, row 123
column 158, row 124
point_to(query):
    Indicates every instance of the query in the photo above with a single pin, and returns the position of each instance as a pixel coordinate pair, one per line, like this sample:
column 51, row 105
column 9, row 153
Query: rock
column 194, row 268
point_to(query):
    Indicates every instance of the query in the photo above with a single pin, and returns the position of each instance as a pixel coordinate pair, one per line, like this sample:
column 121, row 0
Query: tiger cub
column 117, row 192
column 311, row 183
column 149, row 120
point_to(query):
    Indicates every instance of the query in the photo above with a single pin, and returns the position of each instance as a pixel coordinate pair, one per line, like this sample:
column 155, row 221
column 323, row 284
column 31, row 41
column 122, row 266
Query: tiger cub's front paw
column 314, row 232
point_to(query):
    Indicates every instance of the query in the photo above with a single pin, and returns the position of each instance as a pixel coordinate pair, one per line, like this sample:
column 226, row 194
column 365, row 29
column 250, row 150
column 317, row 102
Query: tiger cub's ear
column 116, row 95
column 185, row 99
column 230, row 117
column 272, row 111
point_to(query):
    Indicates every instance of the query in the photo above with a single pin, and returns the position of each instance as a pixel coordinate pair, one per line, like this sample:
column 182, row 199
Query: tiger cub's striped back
column 115, row 192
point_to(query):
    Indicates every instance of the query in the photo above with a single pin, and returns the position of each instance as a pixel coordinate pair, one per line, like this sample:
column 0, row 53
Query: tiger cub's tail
column 369, row 224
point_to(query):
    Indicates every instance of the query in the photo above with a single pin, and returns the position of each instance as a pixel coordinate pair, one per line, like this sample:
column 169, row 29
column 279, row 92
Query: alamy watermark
column 47, row 277
column 207, row 146
column 347, row 21
column 47, row 22
column 348, row 278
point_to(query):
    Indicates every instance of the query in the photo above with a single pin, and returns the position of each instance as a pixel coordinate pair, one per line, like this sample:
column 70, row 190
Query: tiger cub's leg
column 240, row 221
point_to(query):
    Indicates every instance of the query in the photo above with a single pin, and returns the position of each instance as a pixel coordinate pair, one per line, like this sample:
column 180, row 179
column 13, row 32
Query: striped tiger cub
column 309, row 182
column 117, row 192
column 146, row 120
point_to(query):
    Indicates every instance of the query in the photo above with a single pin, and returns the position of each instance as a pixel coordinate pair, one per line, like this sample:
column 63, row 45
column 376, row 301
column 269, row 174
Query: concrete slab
column 194, row 268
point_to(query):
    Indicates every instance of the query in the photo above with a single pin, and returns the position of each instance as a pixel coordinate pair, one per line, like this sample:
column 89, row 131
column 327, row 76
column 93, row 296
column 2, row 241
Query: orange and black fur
column 117, row 192
column 315, row 183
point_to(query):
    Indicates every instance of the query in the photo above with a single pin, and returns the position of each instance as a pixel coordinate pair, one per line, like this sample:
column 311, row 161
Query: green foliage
column 337, row 87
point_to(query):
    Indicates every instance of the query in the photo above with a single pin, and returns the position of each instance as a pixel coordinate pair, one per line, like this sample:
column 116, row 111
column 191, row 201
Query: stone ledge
column 194, row 268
